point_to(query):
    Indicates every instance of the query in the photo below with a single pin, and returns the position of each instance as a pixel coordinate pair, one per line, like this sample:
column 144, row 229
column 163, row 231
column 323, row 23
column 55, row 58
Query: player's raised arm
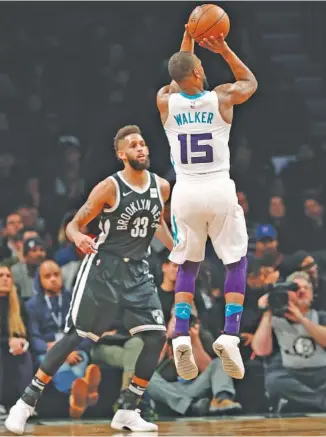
column 246, row 84
column 101, row 195
column 187, row 45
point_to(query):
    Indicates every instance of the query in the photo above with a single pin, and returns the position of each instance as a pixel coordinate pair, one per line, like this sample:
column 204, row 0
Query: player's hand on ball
column 215, row 45
column 85, row 244
column 187, row 34
column 188, row 42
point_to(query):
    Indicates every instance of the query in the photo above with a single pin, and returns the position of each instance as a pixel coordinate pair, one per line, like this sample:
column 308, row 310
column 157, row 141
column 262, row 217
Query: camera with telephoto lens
column 278, row 297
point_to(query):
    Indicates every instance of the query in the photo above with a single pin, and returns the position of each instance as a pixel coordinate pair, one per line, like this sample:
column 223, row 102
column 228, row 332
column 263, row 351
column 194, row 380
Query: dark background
column 71, row 74
column 86, row 69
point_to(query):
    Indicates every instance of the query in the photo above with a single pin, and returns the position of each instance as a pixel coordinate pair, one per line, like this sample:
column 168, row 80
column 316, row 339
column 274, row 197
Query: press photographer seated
column 292, row 338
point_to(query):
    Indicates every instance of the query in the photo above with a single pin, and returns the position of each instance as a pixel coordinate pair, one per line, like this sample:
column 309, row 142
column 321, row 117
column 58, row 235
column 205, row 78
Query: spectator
column 70, row 271
column 30, row 217
column 15, row 359
column 11, row 180
column 24, row 234
column 205, row 292
column 18, row 244
column 302, row 174
column 28, row 232
column 117, row 348
column 209, row 296
column 312, row 228
column 303, row 261
column 157, row 248
column 67, row 251
column 295, row 344
column 267, row 245
column 67, row 185
column 251, row 225
column 166, row 289
column 261, row 275
column 278, row 218
column 24, row 271
column 48, row 309
column 211, row 392
column 8, row 246
column 260, row 181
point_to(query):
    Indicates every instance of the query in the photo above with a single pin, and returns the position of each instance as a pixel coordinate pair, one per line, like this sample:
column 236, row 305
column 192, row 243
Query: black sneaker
column 200, row 407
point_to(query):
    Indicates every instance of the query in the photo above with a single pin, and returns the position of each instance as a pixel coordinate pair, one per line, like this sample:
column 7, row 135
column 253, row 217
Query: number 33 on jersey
column 128, row 227
column 197, row 134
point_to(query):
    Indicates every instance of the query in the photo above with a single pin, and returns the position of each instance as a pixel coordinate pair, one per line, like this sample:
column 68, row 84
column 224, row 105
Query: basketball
column 208, row 20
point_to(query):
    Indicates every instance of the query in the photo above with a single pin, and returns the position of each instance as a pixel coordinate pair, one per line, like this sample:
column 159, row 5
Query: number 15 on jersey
column 201, row 151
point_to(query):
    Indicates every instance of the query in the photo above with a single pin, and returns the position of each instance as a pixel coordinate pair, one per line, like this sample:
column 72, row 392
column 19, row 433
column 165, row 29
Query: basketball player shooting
column 204, row 202
column 114, row 278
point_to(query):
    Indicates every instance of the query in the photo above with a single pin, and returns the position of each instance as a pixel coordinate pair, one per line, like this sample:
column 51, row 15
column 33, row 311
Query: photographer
column 303, row 261
column 293, row 337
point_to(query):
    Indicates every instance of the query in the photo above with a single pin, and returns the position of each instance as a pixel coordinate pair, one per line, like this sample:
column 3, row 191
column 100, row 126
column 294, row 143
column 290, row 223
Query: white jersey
column 198, row 136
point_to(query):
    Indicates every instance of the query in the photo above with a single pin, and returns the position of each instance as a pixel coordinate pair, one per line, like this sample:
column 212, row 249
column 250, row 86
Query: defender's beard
column 136, row 165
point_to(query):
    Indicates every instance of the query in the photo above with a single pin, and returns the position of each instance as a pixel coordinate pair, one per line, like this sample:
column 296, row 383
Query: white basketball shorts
column 207, row 206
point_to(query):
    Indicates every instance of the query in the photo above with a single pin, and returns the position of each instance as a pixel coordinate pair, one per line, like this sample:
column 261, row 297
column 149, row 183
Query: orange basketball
column 208, row 20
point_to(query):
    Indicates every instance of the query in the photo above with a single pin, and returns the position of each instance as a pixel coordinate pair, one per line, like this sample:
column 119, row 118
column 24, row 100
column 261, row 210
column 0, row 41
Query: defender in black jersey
column 113, row 279
column 116, row 278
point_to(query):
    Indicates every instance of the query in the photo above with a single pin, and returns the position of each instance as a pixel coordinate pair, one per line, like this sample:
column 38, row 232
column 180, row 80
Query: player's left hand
column 85, row 243
column 215, row 45
column 294, row 314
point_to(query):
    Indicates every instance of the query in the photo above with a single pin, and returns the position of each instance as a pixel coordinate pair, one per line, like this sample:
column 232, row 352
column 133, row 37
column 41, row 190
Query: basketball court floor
column 309, row 425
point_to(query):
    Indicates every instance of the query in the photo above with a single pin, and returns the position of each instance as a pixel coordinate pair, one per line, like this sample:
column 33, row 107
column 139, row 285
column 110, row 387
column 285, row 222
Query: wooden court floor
column 314, row 425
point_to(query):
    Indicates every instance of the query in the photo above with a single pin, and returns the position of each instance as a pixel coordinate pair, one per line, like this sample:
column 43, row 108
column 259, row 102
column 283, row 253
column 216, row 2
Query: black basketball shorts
column 108, row 286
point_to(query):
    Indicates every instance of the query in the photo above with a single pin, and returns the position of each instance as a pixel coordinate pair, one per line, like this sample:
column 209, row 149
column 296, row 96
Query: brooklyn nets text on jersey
column 128, row 227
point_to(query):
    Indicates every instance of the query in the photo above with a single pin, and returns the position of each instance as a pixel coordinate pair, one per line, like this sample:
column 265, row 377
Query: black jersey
column 129, row 225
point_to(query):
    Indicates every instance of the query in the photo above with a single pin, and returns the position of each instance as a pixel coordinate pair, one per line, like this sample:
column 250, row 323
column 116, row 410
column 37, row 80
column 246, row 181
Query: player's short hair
column 124, row 132
column 180, row 66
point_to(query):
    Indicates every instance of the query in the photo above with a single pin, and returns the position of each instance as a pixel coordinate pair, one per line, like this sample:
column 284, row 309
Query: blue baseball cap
column 266, row 231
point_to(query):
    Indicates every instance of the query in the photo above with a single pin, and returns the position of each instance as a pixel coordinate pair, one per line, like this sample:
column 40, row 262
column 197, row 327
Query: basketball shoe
column 183, row 358
column 132, row 421
column 18, row 415
column 226, row 347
